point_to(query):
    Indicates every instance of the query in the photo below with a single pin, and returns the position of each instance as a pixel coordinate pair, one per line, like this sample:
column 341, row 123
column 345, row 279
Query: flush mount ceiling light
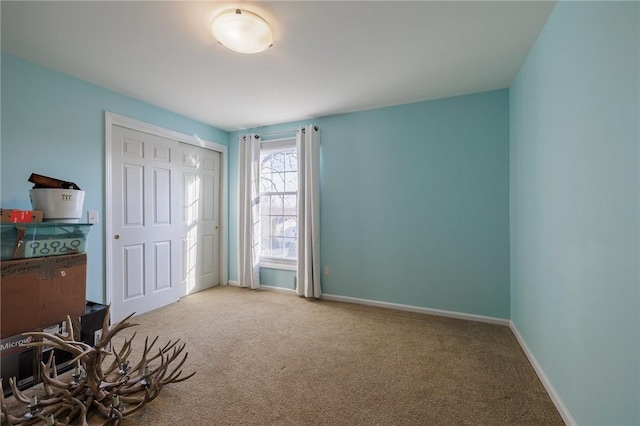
column 242, row 31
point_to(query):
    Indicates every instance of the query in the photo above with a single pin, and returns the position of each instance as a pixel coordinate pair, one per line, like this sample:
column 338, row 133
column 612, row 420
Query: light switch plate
column 92, row 216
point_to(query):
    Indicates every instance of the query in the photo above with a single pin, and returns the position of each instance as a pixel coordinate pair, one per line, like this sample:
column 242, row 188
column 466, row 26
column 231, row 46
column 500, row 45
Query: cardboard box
column 19, row 362
column 39, row 292
column 20, row 216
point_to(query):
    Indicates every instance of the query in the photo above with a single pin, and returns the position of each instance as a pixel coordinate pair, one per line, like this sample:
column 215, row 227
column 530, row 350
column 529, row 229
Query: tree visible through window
column 278, row 203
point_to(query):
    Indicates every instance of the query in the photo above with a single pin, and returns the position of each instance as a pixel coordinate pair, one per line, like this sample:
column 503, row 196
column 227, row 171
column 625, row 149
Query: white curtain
column 308, row 276
column 248, row 210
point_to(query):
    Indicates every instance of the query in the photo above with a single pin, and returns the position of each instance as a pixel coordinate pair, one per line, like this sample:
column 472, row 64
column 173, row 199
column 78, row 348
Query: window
column 278, row 204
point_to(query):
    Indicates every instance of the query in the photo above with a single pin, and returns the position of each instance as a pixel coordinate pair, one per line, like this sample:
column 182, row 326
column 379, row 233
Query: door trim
column 112, row 119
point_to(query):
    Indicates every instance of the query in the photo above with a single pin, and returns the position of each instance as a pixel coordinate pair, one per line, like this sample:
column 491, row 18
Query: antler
column 115, row 393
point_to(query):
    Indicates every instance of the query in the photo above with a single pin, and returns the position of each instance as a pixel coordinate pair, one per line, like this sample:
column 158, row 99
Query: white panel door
column 200, row 170
column 146, row 225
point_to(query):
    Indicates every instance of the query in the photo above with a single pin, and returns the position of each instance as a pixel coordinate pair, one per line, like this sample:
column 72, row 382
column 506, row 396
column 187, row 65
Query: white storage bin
column 58, row 205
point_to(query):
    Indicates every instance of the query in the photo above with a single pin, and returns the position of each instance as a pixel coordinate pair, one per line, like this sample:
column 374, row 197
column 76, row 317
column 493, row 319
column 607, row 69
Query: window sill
column 288, row 266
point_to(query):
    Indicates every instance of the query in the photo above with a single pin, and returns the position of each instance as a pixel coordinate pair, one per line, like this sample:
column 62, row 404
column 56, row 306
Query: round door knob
column 116, row 236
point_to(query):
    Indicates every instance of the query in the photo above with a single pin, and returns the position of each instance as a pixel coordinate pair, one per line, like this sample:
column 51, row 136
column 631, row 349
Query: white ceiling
column 328, row 57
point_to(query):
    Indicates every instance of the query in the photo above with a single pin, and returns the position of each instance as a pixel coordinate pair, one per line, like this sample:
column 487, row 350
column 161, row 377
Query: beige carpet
column 268, row 358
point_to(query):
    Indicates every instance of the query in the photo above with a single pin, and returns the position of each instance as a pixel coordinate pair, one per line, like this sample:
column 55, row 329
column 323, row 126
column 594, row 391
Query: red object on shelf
column 20, row 216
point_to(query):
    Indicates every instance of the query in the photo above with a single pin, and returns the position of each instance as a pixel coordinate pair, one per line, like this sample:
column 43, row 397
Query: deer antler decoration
column 115, row 392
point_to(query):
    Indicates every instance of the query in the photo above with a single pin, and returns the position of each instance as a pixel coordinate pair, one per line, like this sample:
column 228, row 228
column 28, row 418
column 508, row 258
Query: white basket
column 58, row 205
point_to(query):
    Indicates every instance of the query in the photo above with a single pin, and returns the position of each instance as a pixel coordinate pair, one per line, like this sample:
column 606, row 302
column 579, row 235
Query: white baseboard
column 553, row 394
column 235, row 283
column 418, row 309
column 279, row 289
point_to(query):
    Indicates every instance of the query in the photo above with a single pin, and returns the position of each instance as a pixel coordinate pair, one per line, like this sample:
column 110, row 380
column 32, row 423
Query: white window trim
column 277, row 144
column 274, row 262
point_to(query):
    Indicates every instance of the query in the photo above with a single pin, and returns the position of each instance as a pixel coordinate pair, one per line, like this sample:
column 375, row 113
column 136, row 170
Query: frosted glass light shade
column 242, row 31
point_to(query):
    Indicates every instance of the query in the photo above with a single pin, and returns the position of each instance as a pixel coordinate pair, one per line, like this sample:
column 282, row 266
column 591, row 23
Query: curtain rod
column 284, row 132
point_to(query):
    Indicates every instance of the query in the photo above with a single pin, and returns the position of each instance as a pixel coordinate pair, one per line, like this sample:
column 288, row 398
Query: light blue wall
column 415, row 198
column 53, row 124
column 575, row 276
column 414, row 204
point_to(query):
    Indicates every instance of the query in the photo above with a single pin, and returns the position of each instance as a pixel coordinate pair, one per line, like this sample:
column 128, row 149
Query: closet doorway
column 164, row 216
